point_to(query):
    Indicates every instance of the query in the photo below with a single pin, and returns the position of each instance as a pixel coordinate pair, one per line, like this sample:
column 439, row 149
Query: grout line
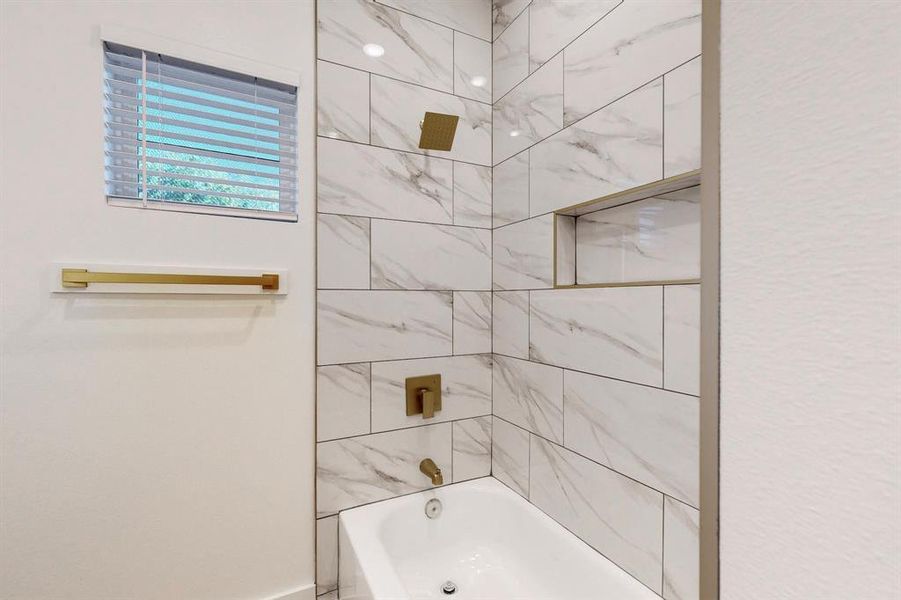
column 400, row 10
column 662, row 543
column 402, row 151
column 513, row 20
column 406, row 428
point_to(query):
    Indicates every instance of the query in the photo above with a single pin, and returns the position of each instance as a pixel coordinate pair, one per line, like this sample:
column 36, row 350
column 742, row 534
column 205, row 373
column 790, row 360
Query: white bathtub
column 488, row 541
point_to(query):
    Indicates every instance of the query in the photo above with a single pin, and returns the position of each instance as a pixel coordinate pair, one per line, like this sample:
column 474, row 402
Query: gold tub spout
column 431, row 471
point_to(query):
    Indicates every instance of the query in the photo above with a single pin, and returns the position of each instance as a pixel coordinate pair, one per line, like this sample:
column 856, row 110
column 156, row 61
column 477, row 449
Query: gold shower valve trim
column 438, row 131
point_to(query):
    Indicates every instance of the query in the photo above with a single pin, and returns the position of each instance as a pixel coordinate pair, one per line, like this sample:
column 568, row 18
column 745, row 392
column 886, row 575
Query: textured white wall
column 152, row 447
column 811, row 282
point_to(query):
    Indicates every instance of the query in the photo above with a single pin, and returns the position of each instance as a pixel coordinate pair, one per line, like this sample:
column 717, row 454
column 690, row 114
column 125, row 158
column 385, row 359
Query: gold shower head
column 438, row 131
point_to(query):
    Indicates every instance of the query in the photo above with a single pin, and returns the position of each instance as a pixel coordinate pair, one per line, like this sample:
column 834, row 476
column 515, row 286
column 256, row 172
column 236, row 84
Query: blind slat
column 120, row 157
column 133, row 145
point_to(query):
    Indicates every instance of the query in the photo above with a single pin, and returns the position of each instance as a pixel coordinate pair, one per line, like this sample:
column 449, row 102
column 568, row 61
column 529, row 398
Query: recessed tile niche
column 648, row 235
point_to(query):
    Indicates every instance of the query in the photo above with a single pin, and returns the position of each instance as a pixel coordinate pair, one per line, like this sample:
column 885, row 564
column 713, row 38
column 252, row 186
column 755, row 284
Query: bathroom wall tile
column 397, row 108
column 472, row 322
column 511, row 56
column 682, row 119
column 529, row 395
column 503, row 12
column 342, row 102
column 681, row 527
column 326, row 554
column 651, row 240
column 634, row 44
column 625, row 526
column 373, row 182
column 415, row 50
column 645, row 433
column 618, row 147
column 615, row 332
column 472, row 195
column 332, row 595
column 342, row 252
column 682, row 338
column 368, row 468
column 358, row 325
column 420, row 256
column 465, row 389
column 510, row 324
column 530, row 112
column 342, row 401
column 555, row 23
column 469, row 16
column 510, row 201
column 523, row 254
column 472, row 448
column 472, row 67
column 566, row 250
column 510, row 455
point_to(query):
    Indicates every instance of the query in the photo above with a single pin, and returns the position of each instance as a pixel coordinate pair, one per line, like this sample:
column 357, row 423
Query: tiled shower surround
column 583, row 401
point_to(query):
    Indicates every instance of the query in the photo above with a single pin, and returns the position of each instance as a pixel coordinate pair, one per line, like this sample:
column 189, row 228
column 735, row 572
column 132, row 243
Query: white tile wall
column 556, row 23
column 523, row 254
column 415, row 50
column 681, row 346
column 342, row 401
column 532, row 111
column 420, row 256
column 681, row 526
column 510, row 322
column 511, row 56
column 472, row 67
column 472, row 195
column 636, row 43
column 472, row 448
column 503, row 12
column 342, row 250
column 682, row 119
column 342, row 102
column 529, row 395
column 510, row 455
column 511, row 190
column 469, row 16
column 472, row 322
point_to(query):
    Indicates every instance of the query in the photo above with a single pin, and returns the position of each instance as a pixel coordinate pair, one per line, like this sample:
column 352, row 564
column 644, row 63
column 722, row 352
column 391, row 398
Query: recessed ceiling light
column 478, row 80
column 373, row 50
column 515, row 133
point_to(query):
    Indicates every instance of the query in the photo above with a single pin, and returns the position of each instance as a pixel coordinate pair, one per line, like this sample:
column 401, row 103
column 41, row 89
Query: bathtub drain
column 448, row 588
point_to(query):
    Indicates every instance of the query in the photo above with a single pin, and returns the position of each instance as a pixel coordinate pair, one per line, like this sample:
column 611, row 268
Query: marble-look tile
column 523, row 254
column 503, row 12
column 617, row 332
column 531, row 112
column 472, row 67
column 510, row 201
column 510, row 324
column 342, row 253
column 682, row 338
column 529, row 395
column 332, row 595
column 397, row 108
column 566, row 250
column 682, row 119
column 472, row 322
column 342, row 101
column 510, row 455
column 354, row 179
column 681, row 528
column 618, row 147
column 555, row 23
column 326, row 554
column 510, row 63
column 472, row 195
column 358, row 325
column 469, row 16
column 472, row 448
column 414, row 49
column 342, row 401
column 465, row 389
column 421, row 256
column 634, row 44
column 650, row 240
column 648, row 434
column 368, row 468
column 618, row 517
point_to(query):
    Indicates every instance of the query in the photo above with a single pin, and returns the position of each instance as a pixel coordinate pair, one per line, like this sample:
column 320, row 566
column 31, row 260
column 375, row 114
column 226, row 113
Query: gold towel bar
column 80, row 278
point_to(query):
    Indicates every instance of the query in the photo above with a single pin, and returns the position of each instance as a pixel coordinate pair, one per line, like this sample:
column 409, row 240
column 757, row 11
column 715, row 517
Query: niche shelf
column 568, row 274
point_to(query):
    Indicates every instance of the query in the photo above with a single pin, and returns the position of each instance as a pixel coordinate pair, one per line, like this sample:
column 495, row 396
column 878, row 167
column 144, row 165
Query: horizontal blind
column 180, row 133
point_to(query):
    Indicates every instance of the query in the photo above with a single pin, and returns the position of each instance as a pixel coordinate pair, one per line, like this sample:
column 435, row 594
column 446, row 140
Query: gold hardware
column 423, row 395
column 431, row 470
column 438, row 131
column 80, row 278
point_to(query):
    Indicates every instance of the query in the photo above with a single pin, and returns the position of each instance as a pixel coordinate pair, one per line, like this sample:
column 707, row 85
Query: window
column 182, row 136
